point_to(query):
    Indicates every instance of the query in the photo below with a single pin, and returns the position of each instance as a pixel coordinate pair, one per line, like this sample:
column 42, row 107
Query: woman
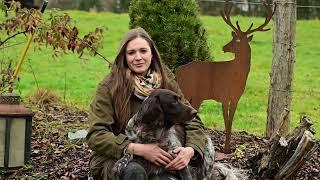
column 136, row 71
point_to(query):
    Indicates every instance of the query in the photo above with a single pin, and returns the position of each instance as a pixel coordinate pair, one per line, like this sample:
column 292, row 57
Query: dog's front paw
column 121, row 164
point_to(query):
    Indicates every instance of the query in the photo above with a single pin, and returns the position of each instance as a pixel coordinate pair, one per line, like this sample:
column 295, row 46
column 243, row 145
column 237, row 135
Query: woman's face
column 138, row 55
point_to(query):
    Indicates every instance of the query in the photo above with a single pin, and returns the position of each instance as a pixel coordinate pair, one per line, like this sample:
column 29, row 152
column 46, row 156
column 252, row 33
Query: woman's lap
column 101, row 168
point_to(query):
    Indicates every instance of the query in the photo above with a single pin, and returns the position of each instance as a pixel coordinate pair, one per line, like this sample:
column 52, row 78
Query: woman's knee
column 134, row 171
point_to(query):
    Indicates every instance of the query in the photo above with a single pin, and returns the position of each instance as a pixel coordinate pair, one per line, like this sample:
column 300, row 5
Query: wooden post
column 280, row 93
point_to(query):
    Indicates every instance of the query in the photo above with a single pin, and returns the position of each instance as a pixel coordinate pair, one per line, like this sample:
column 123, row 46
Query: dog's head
column 163, row 108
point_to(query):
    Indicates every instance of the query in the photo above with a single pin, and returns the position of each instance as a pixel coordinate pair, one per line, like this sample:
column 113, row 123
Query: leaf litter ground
column 54, row 157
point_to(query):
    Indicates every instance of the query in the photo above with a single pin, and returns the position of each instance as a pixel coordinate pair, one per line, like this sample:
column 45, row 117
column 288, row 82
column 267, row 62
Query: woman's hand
column 182, row 160
column 151, row 152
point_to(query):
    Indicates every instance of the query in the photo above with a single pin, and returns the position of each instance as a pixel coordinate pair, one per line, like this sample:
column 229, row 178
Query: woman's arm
column 102, row 140
column 101, row 137
column 150, row 152
column 195, row 134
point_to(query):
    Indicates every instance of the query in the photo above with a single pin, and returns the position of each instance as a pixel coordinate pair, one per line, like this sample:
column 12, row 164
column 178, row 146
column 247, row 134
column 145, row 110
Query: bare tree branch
column 14, row 35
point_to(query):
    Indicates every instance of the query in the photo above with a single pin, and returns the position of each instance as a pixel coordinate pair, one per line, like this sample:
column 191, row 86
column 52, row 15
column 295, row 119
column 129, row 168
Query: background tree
column 176, row 28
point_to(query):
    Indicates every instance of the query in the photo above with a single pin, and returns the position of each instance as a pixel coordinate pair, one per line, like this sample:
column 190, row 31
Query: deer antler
column 226, row 17
column 269, row 15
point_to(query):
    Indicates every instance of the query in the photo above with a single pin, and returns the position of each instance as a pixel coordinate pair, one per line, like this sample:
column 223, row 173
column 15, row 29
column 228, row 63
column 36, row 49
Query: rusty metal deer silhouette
column 222, row 81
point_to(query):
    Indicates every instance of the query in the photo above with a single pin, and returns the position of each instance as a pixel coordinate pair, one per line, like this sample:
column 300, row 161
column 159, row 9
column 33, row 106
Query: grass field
column 76, row 79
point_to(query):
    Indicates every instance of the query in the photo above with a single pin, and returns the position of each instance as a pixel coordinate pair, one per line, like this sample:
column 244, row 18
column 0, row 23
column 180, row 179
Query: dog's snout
column 193, row 111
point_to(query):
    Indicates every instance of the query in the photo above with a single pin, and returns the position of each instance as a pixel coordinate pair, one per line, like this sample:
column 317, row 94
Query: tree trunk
column 280, row 93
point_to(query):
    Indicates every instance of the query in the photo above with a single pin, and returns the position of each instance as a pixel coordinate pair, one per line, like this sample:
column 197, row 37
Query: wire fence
column 259, row 3
column 306, row 9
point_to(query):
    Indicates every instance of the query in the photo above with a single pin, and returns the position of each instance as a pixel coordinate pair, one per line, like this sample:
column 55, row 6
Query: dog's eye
column 175, row 102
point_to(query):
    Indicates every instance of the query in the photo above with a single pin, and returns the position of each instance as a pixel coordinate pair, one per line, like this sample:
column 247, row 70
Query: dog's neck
column 152, row 135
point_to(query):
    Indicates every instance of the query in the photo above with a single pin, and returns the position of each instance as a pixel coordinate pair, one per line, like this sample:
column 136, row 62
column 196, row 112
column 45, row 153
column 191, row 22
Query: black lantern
column 15, row 132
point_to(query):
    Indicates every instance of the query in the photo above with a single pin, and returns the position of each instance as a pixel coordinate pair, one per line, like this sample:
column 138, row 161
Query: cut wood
column 285, row 155
column 305, row 148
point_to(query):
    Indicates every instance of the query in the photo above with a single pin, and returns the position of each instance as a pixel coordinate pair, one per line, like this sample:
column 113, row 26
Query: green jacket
column 104, row 137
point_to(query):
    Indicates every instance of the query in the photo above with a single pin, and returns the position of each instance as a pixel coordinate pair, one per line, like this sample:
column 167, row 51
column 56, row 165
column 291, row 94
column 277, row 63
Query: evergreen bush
column 175, row 27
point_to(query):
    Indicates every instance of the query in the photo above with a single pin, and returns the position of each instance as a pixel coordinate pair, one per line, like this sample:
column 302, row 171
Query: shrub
column 175, row 27
column 44, row 96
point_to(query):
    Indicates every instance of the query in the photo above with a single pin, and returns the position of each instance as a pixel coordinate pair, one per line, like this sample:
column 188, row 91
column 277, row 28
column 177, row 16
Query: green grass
column 82, row 76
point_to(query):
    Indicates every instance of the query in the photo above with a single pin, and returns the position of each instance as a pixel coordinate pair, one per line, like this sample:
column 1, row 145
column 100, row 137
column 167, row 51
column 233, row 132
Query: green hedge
column 175, row 27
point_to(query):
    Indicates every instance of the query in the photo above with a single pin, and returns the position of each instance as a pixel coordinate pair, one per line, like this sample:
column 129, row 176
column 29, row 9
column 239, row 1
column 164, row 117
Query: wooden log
column 285, row 155
column 273, row 157
column 304, row 150
column 305, row 124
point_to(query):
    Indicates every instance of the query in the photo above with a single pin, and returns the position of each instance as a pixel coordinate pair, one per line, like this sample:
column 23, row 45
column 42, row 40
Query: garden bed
column 53, row 156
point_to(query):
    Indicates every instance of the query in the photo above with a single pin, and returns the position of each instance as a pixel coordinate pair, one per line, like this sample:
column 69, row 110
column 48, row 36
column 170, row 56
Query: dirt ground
column 246, row 147
column 54, row 157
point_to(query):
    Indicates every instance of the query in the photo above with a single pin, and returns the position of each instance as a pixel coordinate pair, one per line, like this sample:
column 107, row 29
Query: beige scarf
column 145, row 85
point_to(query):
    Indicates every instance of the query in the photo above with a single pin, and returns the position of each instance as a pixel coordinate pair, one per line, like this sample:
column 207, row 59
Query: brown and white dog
column 161, row 119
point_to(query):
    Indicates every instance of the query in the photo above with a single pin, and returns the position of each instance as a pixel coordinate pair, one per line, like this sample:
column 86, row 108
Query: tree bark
column 286, row 155
column 280, row 93
column 304, row 149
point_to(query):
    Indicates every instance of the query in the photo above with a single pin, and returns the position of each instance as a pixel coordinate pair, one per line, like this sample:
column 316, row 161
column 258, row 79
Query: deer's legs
column 227, row 124
column 231, row 111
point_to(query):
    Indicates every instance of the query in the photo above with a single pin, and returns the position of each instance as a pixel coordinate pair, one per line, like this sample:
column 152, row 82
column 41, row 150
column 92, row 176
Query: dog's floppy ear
column 150, row 110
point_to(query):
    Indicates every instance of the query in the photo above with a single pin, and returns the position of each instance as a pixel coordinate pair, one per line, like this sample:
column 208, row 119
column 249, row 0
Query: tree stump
column 285, row 155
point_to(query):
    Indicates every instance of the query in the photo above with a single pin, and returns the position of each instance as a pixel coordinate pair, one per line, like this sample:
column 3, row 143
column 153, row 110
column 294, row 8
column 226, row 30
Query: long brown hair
column 121, row 82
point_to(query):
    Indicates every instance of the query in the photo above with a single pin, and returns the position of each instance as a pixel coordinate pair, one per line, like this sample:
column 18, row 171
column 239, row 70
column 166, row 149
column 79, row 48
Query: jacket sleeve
column 101, row 137
column 195, row 133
